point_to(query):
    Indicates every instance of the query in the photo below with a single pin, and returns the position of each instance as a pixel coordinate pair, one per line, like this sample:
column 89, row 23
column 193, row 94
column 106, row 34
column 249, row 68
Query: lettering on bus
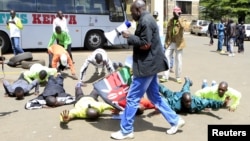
column 48, row 18
column 37, row 18
column 4, row 17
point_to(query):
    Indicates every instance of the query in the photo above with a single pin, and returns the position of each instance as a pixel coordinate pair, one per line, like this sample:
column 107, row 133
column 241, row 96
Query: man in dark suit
column 211, row 29
column 148, row 61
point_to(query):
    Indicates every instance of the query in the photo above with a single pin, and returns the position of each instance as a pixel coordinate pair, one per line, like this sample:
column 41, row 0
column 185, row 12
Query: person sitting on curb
column 59, row 58
column 20, row 88
column 53, row 95
column 86, row 106
column 38, row 72
column 184, row 102
column 221, row 92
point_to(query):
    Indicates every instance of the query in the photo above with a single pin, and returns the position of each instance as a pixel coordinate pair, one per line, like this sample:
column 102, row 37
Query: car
column 247, row 31
column 199, row 27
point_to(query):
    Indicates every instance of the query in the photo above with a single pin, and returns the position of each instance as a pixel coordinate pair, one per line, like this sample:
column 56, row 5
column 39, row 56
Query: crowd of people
column 148, row 49
column 230, row 34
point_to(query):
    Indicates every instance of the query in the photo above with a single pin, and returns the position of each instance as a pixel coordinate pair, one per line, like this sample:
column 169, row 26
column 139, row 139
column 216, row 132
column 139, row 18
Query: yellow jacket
column 175, row 33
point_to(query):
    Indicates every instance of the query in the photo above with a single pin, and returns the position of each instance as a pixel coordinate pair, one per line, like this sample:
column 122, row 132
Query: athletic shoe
column 120, row 136
column 178, row 80
column 175, row 128
column 162, row 80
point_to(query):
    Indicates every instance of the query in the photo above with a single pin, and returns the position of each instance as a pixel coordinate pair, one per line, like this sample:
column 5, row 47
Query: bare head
column 92, row 113
column 12, row 14
column 137, row 8
column 98, row 58
column 42, row 74
column 19, row 93
column 59, row 14
column 51, row 101
column 186, row 100
column 58, row 29
column 222, row 88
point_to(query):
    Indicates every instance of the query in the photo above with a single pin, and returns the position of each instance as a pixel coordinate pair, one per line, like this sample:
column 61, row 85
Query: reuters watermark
column 240, row 132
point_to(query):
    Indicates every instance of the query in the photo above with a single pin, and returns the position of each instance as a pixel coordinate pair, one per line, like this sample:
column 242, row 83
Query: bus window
column 116, row 11
column 46, row 6
column 87, row 21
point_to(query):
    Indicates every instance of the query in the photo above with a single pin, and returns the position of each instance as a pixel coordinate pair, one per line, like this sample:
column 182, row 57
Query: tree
column 217, row 9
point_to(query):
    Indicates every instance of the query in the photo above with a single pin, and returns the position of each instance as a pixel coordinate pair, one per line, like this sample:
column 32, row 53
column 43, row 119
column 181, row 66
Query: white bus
column 87, row 21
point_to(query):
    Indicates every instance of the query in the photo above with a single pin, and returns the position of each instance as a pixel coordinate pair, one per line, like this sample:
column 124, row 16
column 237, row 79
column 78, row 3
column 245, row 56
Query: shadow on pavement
column 7, row 113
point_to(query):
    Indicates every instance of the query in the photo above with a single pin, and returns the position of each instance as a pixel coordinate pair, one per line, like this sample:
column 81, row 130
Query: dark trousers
column 79, row 94
column 240, row 45
column 211, row 39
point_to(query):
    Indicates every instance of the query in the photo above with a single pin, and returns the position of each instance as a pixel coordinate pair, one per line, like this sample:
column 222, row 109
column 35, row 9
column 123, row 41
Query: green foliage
column 217, row 9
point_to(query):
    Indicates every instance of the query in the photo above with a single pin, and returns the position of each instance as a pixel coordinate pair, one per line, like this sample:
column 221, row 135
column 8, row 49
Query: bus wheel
column 4, row 43
column 94, row 39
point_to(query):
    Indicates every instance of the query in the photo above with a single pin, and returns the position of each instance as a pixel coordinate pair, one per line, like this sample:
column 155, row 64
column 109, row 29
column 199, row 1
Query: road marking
column 10, row 72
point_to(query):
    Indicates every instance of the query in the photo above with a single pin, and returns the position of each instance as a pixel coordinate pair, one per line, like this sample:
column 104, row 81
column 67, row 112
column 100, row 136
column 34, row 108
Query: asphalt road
column 200, row 61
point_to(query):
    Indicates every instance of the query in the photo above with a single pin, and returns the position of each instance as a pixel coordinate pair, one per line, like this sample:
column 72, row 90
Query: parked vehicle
column 199, row 27
column 247, row 31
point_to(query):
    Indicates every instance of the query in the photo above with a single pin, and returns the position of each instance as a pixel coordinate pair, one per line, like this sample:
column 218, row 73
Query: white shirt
column 14, row 30
column 62, row 23
column 91, row 59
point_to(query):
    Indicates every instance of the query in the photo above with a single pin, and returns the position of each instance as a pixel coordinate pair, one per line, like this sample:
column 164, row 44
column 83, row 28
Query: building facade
column 190, row 9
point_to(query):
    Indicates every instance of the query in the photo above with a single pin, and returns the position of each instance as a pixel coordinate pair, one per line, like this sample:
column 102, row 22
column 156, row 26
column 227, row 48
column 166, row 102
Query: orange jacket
column 57, row 50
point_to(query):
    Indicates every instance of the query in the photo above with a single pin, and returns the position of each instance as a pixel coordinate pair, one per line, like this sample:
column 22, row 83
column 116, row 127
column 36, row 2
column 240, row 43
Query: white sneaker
column 175, row 128
column 213, row 83
column 120, row 136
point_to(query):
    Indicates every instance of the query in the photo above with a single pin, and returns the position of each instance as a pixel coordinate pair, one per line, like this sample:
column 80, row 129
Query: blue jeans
column 138, row 87
column 231, row 45
column 220, row 42
column 15, row 41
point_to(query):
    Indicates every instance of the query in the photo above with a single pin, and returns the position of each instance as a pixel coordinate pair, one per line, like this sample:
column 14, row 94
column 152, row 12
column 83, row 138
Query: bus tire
column 28, row 64
column 26, row 56
column 4, row 43
column 94, row 39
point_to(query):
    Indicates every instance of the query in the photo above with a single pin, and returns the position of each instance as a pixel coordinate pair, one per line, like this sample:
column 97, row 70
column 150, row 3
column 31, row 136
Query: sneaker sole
column 131, row 136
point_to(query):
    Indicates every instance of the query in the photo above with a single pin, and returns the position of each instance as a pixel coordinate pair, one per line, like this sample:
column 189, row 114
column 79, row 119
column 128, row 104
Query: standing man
column 14, row 24
column 148, row 60
column 61, row 21
column 231, row 31
column 175, row 43
column 211, row 29
column 221, row 35
column 241, row 37
column 62, row 38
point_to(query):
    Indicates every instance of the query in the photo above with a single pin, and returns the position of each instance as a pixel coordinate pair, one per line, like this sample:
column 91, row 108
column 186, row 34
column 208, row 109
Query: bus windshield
column 87, row 21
